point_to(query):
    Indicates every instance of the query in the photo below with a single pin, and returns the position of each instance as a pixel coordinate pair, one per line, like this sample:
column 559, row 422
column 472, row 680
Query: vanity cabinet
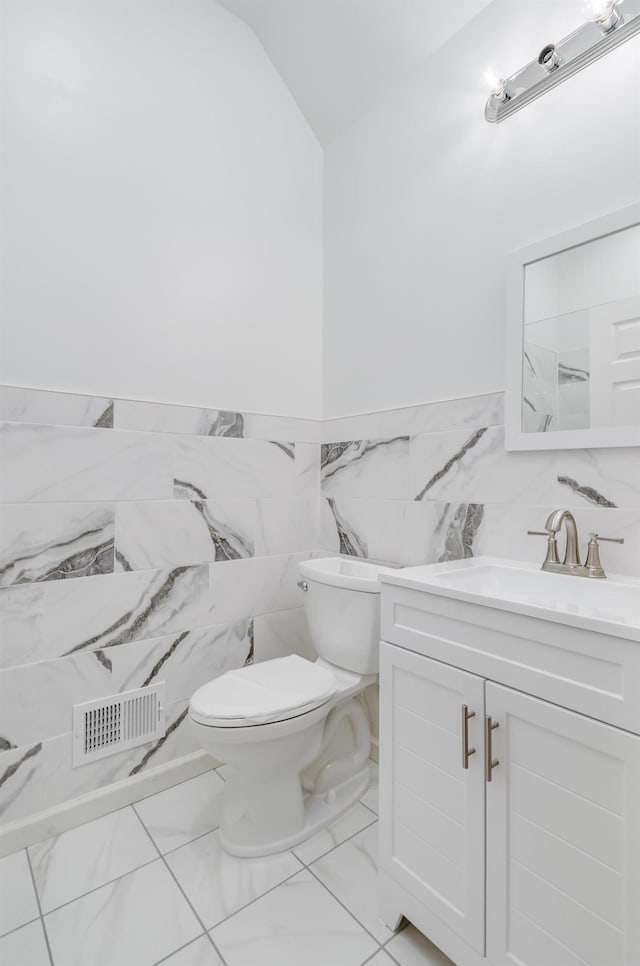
column 534, row 862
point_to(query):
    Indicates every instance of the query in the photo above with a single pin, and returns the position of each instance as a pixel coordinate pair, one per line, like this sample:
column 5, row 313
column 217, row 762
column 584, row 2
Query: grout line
column 13, row 929
column 369, row 808
column 323, row 855
column 391, row 957
column 179, row 949
column 346, row 908
column 186, row 897
column 262, row 894
column 90, row 892
column 196, row 838
column 35, row 889
column 403, row 925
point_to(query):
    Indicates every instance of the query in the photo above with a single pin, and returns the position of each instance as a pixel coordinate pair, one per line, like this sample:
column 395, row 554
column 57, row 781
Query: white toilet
column 292, row 732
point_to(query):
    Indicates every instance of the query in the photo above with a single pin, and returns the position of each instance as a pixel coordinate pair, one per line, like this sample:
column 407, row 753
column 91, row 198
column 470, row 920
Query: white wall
column 162, row 209
column 424, row 201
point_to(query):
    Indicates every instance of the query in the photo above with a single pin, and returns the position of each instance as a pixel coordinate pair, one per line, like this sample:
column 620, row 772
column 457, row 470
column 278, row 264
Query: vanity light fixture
column 606, row 27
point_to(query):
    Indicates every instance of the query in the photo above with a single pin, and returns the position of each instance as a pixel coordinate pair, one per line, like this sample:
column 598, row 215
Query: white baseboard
column 43, row 825
column 17, row 835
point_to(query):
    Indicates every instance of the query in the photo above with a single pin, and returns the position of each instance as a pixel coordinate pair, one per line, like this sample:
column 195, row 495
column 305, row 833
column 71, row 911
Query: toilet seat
column 260, row 693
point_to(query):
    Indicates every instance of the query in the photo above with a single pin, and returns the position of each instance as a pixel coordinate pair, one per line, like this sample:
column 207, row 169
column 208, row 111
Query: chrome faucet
column 571, row 563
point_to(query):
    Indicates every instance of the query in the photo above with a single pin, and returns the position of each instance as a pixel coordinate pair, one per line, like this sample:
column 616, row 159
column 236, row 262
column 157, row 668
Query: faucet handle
column 552, row 546
column 592, row 564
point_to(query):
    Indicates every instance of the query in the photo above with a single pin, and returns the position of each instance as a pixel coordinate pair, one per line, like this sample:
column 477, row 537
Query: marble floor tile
column 351, row 874
column 356, row 819
column 411, row 948
column 299, row 922
column 183, row 812
column 218, row 884
column 25, row 947
column 17, row 898
column 198, row 953
column 84, row 858
column 139, row 919
column 370, row 797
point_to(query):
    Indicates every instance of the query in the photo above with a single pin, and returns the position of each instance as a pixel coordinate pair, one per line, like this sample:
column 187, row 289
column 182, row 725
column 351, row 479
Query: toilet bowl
column 293, row 733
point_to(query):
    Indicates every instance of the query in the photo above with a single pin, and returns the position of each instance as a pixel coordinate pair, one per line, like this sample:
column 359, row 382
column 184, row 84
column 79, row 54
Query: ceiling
column 338, row 57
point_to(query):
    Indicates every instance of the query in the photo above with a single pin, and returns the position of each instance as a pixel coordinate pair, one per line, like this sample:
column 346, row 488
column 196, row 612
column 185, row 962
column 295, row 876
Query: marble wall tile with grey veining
column 466, row 412
column 21, row 610
column 170, row 418
column 178, row 740
column 22, row 792
column 93, row 613
column 287, row 429
column 36, row 699
column 55, row 541
column 401, row 531
column 258, row 585
column 286, row 526
column 40, row 775
column 54, row 408
column 175, row 533
column 366, row 469
column 307, row 471
column 345, row 526
column 70, row 464
column 474, row 465
column 283, row 633
column 227, row 469
column 184, row 661
column 472, row 411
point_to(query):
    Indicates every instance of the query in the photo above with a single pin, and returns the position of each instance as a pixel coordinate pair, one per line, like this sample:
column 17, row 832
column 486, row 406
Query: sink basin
column 611, row 605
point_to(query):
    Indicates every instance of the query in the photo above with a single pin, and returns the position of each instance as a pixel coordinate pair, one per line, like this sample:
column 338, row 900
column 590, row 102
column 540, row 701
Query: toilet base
column 319, row 811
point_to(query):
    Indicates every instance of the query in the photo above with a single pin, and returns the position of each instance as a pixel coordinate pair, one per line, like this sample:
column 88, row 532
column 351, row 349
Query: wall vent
column 121, row 721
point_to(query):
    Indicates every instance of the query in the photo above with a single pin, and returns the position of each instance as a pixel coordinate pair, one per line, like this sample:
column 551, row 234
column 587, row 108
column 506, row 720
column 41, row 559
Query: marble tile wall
column 139, row 542
column 144, row 542
column 434, row 482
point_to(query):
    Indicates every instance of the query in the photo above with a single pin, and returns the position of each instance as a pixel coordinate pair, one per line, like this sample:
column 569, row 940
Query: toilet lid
column 272, row 691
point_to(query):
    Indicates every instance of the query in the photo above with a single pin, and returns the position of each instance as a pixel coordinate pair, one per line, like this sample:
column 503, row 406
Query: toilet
column 293, row 733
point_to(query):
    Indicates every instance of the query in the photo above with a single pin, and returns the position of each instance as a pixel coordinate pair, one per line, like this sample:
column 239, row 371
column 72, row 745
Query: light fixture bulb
column 603, row 13
column 497, row 86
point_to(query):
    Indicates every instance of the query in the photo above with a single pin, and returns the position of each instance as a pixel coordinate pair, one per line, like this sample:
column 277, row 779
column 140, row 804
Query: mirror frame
column 515, row 438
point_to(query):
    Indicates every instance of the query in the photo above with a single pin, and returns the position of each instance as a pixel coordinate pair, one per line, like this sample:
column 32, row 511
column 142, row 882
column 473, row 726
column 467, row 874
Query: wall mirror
column 573, row 338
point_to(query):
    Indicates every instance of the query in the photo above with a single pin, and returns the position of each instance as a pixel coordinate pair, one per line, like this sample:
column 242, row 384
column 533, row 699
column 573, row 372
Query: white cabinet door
column 431, row 808
column 563, row 837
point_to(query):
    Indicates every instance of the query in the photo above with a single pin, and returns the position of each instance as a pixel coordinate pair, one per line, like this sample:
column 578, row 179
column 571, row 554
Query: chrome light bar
column 611, row 24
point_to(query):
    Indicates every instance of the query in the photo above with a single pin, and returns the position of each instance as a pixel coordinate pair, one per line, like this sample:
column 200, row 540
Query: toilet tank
column 342, row 604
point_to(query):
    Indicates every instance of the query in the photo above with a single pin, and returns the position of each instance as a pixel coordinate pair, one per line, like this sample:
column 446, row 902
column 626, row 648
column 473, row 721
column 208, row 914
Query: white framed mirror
column 573, row 338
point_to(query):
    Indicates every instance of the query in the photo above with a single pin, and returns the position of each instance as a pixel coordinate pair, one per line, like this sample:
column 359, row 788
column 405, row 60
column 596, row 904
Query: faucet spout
column 554, row 524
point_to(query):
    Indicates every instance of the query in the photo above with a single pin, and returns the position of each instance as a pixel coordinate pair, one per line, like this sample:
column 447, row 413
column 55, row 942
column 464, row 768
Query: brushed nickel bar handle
column 490, row 762
column 466, row 750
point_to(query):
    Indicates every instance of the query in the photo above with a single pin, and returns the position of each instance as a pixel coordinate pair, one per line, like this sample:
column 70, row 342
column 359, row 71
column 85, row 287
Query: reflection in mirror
column 581, row 346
